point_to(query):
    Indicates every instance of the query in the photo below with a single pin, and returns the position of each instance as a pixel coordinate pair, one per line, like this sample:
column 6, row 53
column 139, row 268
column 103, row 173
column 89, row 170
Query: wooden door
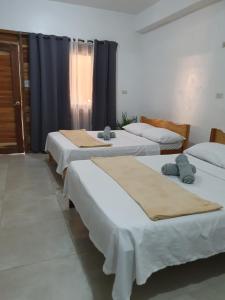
column 11, row 135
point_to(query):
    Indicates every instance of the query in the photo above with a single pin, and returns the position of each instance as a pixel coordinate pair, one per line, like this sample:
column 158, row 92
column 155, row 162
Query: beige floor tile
column 21, row 208
column 207, row 293
column 3, row 174
column 33, row 243
column 30, row 175
column 58, row 279
column 36, row 182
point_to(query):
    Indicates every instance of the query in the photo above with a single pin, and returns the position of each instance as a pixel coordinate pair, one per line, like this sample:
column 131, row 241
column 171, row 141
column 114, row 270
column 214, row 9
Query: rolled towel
column 100, row 135
column 112, row 135
column 107, row 131
column 185, row 169
column 173, row 170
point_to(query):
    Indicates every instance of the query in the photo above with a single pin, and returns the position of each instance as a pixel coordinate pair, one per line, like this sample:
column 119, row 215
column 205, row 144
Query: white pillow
column 162, row 135
column 213, row 153
column 136, row 128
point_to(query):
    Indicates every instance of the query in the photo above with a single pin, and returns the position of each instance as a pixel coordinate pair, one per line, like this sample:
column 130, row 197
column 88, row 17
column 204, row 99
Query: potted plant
column 125, row 120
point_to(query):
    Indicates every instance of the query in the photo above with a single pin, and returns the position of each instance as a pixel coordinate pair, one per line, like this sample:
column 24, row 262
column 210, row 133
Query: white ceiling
column 126, row 6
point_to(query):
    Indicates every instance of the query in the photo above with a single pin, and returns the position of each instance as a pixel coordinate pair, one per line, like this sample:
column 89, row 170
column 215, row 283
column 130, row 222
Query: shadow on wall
column 191, row 94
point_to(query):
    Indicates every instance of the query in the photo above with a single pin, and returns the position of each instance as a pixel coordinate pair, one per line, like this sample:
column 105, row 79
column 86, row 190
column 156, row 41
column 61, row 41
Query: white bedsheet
column 134, row 246
column 125, row 143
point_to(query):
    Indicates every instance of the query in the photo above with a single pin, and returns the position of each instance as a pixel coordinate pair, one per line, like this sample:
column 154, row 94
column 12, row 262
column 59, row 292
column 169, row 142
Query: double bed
column 63, row 151
column 133, row 245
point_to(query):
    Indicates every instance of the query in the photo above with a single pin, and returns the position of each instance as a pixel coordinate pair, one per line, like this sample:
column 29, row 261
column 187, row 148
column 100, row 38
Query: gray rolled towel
column 185, row 169
column 112, row 135
column 107, row 131
column 100, row 135
column 173, row 170
column 107, row 134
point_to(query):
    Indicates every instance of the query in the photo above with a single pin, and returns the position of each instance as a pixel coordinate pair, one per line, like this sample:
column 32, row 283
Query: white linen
column 213, row 153
column 174, row 146
column 133, row 245
column 136, row 128
column 64, row 151
column 161, row 135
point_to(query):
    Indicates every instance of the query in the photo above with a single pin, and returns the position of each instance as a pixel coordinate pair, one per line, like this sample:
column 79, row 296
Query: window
column 81, row 75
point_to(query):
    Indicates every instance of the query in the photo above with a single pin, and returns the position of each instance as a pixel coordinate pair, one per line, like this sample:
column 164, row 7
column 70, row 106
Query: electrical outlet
column 219, row 96
column 124, row 92
column 26, row 83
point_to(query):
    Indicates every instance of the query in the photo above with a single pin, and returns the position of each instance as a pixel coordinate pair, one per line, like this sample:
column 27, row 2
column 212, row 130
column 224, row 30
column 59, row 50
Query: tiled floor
column 45, row 252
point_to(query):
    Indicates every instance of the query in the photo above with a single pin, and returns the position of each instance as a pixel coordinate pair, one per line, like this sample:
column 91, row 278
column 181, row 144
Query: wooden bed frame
column 217, row 136
column 182, row 129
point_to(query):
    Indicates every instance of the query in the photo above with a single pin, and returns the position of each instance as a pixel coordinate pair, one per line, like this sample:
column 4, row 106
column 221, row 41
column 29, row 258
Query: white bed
column 64, row 151
column 134, row 246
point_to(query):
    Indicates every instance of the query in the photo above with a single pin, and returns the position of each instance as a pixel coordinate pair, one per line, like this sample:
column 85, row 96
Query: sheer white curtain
column 81, row 74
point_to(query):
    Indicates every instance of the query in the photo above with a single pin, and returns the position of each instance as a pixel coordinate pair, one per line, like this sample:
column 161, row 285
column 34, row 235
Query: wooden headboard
column 182, row 129
column 217, row 136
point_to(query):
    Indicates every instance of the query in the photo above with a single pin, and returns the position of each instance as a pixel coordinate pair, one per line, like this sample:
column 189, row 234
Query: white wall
column 164, row 12
column 173, row 72
column 87, row 23
column 184, row 68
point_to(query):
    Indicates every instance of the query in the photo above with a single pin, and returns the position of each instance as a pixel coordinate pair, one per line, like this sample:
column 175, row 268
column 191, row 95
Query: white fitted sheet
column 174, row 146
column 134, row 246
column 125, row 143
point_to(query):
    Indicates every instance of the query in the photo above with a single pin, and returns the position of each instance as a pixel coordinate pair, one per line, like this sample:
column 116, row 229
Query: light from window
column 81, row 76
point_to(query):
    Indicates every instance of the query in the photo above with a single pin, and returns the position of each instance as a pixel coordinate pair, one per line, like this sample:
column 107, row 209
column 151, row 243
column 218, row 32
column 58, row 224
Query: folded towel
column 173, row 170
column 107, row 134
column 185, row 169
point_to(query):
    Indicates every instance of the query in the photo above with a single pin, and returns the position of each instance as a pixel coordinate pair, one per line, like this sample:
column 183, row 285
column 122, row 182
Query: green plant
column 125, row 120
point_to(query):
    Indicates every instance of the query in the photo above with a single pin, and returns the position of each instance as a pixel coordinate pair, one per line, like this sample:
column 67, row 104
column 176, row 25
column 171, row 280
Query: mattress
column 174, row 146
column 133, row 245
column 125, row 143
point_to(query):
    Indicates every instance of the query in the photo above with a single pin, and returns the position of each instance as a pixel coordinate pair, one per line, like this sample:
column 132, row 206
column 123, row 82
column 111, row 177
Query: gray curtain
column 49, row 87
column 104, row 85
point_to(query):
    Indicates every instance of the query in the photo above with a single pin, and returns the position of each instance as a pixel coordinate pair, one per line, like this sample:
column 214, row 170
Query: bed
column 133, row 245
column 63, row 151
column 181, row 129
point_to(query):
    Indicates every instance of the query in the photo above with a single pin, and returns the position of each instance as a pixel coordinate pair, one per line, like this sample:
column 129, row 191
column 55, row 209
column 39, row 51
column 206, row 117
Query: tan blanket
column 82, row 139
column 158, row 196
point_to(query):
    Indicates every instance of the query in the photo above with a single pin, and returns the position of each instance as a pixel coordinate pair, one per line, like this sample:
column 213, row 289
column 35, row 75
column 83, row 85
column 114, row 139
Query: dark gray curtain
column 104, row 85
column 49, row 87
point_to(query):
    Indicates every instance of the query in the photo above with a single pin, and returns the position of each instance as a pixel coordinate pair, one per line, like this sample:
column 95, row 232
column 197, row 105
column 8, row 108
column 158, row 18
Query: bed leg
column 64, row 174
column 71, row 205
column 50, row 158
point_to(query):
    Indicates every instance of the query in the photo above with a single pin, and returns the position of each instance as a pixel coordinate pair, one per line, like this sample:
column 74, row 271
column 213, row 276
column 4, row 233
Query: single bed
column 63, row 151
column 181, row 129
column 134, row 246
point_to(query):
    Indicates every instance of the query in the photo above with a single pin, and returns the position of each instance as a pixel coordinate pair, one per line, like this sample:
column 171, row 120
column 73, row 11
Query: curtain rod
column 45, row 35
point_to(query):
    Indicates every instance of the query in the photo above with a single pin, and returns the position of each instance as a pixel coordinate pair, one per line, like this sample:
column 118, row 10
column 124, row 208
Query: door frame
column 14, row 50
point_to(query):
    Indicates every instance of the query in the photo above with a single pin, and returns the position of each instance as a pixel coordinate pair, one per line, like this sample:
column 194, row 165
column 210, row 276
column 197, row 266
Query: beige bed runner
column 82, row 139
column 159, row 197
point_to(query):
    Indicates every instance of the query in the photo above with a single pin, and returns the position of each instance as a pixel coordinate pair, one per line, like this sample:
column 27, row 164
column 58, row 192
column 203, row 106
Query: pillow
column 213, row 153
column 162, row 135
column 136, row 128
